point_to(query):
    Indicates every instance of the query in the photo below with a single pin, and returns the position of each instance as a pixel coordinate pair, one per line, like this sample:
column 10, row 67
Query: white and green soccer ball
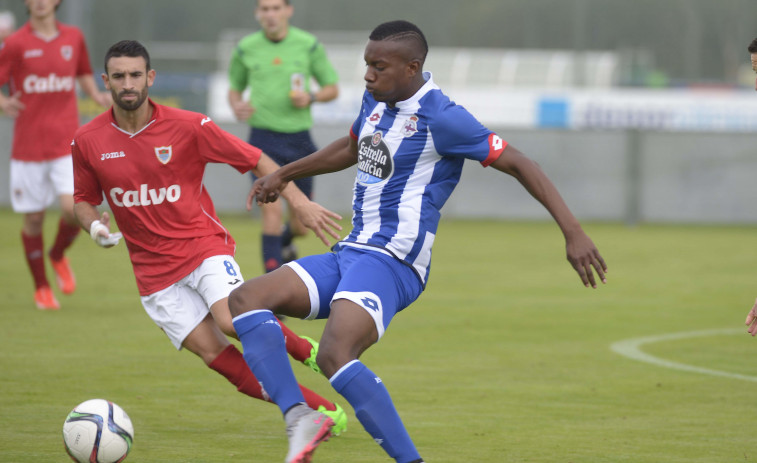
column 98, row 431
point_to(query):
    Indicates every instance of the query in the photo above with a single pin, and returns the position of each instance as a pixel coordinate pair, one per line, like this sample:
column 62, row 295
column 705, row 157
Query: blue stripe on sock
column 375, row 410
column 266, row 355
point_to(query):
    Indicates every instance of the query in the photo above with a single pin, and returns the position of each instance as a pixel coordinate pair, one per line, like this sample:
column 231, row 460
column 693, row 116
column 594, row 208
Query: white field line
column 631, row 348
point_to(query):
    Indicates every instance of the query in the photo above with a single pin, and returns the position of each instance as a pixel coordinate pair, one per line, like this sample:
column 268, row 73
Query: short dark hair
column 402, row 31
column 130, row 48
column 752, row 46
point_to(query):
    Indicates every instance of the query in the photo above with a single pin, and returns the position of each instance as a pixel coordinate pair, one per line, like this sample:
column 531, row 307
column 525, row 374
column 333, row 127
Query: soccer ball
column 98, row 431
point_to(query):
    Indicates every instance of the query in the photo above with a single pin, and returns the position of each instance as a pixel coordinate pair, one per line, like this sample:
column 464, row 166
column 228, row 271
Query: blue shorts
column 377, row 282
column 285, row 148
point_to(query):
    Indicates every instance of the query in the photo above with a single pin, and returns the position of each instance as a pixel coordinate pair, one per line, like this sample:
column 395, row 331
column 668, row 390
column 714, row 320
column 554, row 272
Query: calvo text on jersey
column 374, row 160
column 145, row 196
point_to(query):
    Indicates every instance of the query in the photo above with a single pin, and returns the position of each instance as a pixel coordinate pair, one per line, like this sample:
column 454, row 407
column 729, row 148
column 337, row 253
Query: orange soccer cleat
column 64, row 276
column 45, row 299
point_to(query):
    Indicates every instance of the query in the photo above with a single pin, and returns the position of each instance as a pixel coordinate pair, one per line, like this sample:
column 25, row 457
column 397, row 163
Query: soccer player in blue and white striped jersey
column 409, row 143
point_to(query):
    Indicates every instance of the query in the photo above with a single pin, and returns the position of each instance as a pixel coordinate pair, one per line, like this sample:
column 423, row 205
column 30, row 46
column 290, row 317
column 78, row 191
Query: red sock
column 65, row 237
column 297, row 347
column 33, row 248
column 314, row 400
column 231, row 365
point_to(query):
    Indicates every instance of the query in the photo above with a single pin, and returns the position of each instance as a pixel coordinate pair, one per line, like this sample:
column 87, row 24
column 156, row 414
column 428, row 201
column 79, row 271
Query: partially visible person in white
column 7, row 24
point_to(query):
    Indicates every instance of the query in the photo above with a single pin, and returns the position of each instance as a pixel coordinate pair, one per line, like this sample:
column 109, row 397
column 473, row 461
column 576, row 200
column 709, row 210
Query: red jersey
column 45, row 72
column 153, row 183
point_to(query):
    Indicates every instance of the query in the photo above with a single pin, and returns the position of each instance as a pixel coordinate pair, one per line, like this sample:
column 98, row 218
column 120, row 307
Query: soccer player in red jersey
column 41, row 62
column 149, row 161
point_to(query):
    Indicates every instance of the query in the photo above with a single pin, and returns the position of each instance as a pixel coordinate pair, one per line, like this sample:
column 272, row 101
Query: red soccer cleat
column 64, row 276
column 45, row 299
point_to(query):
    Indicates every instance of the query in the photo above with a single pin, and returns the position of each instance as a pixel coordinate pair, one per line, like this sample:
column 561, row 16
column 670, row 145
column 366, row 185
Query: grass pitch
column 505, row 358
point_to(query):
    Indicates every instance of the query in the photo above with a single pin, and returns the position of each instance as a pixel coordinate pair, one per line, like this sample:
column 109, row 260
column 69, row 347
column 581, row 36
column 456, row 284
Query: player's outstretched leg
column 265, row 354
column 231, row 365
column 375, row 410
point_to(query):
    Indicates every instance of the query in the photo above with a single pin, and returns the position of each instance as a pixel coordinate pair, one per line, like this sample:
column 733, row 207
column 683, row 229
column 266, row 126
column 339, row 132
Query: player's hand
column 751, row 320
column 265, row 190
column 585, row 259
column 319, row 219
column 12, row 105
column 300, row 99
column 243, row 110
column 100, row 232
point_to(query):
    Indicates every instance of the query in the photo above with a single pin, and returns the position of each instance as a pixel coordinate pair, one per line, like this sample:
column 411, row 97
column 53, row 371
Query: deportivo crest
column 67, row 52
column 163, row 153
column 410, row 126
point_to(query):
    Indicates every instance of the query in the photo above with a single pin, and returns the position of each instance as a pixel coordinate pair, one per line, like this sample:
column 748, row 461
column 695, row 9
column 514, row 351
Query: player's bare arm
column 581, row 251
column 242, row 109
column 338, row 155
column 11, row 105
column 311, row 214
column 88, row 85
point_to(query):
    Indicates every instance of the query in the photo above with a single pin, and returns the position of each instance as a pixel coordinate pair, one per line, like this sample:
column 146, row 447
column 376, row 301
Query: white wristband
column 94, row 229
column 111, row 240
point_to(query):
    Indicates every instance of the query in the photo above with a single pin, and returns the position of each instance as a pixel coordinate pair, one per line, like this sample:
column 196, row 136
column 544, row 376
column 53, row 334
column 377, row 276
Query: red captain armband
column 496, row 147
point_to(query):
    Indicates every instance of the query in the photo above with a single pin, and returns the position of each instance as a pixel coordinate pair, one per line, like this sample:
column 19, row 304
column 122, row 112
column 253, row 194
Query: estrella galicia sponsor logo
column 374, row 160
column 113, row 155
column 145, row 196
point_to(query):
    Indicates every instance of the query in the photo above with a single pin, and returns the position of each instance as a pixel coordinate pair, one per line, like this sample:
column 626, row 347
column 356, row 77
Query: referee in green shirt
column 277, row 64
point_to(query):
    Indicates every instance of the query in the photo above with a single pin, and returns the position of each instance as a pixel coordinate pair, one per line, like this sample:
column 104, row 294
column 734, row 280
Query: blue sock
column 375, row 410
column 266, row 355
column 271, row 252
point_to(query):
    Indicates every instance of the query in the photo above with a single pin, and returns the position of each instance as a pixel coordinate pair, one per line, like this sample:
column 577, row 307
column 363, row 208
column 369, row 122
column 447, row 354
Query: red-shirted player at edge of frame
column 149, row 161
column 41, row 62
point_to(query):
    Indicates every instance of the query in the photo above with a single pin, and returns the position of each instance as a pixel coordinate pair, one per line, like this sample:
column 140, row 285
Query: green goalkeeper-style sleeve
column 321, row 68
column 237, row 71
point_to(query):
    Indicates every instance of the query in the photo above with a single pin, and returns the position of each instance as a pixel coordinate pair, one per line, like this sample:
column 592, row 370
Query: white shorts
column 36, row 185
column 178, row 309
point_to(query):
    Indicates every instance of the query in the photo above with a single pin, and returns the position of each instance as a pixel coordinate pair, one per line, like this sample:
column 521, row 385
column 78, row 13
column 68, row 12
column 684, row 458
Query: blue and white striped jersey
column 410, row 158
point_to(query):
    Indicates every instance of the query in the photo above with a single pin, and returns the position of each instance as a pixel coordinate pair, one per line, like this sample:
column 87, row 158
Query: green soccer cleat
column 310, row 361
column 339, row 417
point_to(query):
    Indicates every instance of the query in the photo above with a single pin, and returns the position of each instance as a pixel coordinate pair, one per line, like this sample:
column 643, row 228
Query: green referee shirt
column 272, row 69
